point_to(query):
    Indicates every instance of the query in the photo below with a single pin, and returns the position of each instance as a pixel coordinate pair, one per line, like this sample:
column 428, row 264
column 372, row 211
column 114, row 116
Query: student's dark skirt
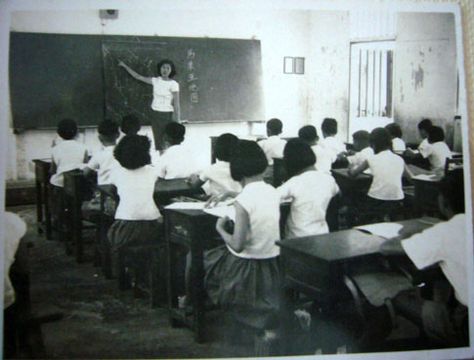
column 251, row 288
column 134, row 232
column 377, row 210
column 158, row 123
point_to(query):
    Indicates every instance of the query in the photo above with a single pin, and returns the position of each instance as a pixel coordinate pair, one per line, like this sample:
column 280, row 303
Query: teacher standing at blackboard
column 165, row 102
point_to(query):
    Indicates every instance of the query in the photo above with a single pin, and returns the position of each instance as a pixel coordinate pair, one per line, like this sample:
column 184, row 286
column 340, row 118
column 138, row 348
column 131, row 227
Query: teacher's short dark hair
column 67, row 129
column 451, row 187
column 297, row 156
column 225, row 144
column 170, row 63
column 248, row 159
column 133, row 151
column 380, row 140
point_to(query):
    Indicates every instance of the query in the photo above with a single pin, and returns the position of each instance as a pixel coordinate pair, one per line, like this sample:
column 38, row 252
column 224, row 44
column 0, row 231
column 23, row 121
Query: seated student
column 104, row 161
column 137, row 219
column 437, row 152
column 324, row 157
column 423, row 127
column 361, row 141
column 395, row 131
column 445, row 244
column 130, row 125
column 387, row 169
column 177, row 160
column 273, row 146
column 67, row 155
column 330, row 141
column 216, row 178
column 310, row 191
column 244, row 274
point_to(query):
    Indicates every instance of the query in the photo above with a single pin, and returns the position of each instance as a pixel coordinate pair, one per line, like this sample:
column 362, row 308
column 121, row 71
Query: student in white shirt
column 361, row 142
column 395, row 131
column 216, row 178
column 273, row 146
column 445, row 244
column 244, row 274
column 324, row 157
column 418, row 156
column 385, row 192
column 137, row 218
column 309, row 190
column 103, row 161
column 330, row 141
column 177, row 160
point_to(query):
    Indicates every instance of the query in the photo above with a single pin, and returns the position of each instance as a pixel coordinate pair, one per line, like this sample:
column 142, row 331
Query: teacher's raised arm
column 165, row 103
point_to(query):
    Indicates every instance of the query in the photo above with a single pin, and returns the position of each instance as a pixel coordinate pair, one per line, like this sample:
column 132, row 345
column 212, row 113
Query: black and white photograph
column 235, row 179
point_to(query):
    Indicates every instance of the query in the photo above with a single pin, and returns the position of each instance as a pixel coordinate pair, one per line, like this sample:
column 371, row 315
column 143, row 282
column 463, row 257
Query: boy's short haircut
column 170, row 63
column 175, row 132
column 130, row 124
column 297, row 156
column 108, row 129
column 329, row 126
column 248, row 159
column 133, row 151
column 275, row 126
column 425, row 124
column 67, row 129
column 451, row 187
column 380, row 140
column 225, row 145
column 308, row 133
column 435, row 134
column 394, row 130
column 361, row 136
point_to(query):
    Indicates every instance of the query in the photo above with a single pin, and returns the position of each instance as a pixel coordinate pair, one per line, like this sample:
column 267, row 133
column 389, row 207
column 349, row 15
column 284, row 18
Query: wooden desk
column 350, row 184
column 43, row 211
column 194, row 231
column 426, row 196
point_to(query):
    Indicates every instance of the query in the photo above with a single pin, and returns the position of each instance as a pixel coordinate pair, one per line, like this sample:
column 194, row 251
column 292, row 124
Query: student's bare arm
column 354, row 171
column 237, row 240
column 134, row 74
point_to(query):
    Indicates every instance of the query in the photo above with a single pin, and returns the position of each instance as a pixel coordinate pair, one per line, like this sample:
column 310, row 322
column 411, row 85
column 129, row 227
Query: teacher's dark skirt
column 158, row 123
column 250, row 288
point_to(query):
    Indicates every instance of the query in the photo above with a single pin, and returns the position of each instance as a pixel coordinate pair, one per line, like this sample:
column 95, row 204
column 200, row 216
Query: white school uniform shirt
column 387, row 170
column 437, row 153
column 444, row 243
column 135, row 189
column 310, row 194
column 163, row 94
column 218, row 180
column 176, row 162
column 359, row 157
column 423, row 148
column 324, row 158
column 262, row 204
column 15, row 229
column 398, row 144
column 273, row 147
column 67, row 155
column 333, row 144
column 103, row 162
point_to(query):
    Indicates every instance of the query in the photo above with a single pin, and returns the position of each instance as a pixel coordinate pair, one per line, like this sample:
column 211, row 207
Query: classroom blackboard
column 54, row 76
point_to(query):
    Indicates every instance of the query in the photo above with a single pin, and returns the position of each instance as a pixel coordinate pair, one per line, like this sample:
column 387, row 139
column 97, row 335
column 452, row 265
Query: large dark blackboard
column 54, row 76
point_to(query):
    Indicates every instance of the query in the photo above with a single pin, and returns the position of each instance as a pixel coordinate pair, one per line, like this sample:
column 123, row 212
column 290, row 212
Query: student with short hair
column 309, row 190
column 216, row 178
column 273, row 146
column 68, row 154
column 361, row 141
column 244, row 274
column 419, row 154
column 104, row 161
column 330, row 141
column 130, row 124
column 137, row 218
column 324, row 157
column 395, row 131
column 177, row 160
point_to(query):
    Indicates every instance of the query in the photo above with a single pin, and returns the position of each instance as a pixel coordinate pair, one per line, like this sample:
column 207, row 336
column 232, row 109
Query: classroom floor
column 99, row 321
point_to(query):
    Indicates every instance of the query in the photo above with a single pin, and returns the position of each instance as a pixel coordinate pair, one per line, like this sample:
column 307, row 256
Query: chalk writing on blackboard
column 191, row 77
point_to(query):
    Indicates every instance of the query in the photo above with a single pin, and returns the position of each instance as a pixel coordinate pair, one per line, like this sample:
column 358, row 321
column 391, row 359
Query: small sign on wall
column 293, row 65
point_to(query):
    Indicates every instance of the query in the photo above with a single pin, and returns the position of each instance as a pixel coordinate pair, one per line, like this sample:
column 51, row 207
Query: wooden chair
column 43, row 211
column 453, row 163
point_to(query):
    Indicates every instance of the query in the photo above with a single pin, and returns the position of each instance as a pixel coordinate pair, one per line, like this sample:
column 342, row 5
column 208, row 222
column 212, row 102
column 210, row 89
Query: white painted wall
column 282, row 33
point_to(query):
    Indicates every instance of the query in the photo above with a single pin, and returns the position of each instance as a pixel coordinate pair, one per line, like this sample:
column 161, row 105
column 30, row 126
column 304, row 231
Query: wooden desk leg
column 47, row 211
column 197, row 280
column 105, row 260
column 39, row 207
column 171, row 275
column 77, row 229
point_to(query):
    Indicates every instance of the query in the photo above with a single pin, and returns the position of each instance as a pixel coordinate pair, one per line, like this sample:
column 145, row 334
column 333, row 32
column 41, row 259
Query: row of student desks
column 316, row 265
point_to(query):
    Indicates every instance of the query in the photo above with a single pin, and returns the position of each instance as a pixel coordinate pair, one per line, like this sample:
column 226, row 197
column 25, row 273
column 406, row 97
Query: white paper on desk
column 222, row 211
column 386, row 230
column 187, row 205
